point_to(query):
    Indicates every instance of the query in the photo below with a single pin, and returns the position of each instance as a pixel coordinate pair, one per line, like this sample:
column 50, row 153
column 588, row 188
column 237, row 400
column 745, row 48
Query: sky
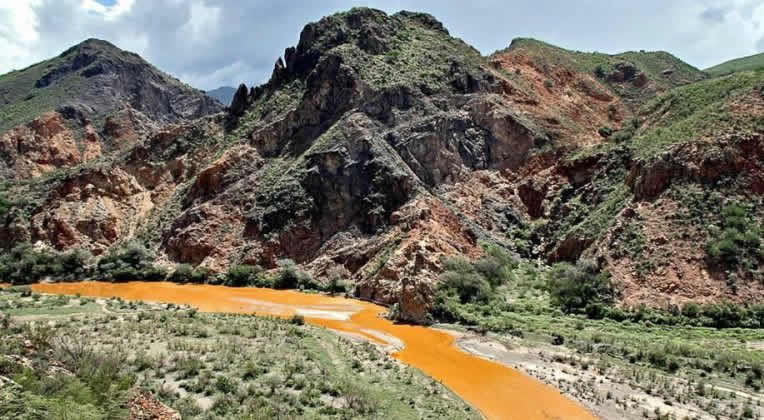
column 212, row 43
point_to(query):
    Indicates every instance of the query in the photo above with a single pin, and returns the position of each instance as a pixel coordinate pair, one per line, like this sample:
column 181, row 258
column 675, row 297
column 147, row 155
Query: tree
column 337, row 279
column 243, row 275
column 288, row 276
column 575, row 287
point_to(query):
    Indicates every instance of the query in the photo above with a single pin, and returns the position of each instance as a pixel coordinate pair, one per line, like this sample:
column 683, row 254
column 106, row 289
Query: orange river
column 497, row 391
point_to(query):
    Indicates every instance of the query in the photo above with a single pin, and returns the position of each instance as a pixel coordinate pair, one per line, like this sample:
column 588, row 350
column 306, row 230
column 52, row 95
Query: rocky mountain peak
column 98, row 97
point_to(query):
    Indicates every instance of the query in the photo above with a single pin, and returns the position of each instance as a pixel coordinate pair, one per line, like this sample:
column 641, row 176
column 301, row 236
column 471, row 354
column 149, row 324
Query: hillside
column 87, row 101
column 382, row 148
column 634, row 76
column 753, row 62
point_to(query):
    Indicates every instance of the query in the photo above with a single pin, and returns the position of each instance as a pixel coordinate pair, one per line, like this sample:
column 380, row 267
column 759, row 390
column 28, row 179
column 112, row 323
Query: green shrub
column 465, row 285
column 605, row 132
column 469, row 286
column 186, row 273
column 243, row 275
column 737, row 242
column 225, row 384
column 337, row 276
column 131, row 261
column 291, row 277
column 23, row 264
column 182, row 274
column 5, row 205
column 574, row 288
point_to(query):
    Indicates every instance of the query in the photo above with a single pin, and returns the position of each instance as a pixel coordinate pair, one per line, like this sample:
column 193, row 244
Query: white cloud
column 109, row 13
column 18, row 31
column 204, row 20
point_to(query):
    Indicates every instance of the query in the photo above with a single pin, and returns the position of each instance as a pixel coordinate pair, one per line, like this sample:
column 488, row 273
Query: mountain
column 382, row 146
column 223, row 94
column 91, row 99
column 753, row 62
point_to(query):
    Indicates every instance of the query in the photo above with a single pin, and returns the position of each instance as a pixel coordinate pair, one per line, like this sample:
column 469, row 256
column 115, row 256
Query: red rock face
column 573, row 105
column 45, row 144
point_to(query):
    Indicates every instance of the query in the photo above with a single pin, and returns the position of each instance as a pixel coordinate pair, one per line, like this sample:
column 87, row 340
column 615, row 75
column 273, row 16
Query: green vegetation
column 652, row 64
column 24, row 264
column 491, row 291
column 187, row 273
column 5, row 205
column 245, row 275
column 87, row 364
column 566, row 310
column 131, row 261
column 580, row 287
column 697, row 111
column 291, row 277
column 753, row 62
column 736, row 244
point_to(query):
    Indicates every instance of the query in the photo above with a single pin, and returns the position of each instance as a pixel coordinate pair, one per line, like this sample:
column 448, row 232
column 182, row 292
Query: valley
column 393, row 225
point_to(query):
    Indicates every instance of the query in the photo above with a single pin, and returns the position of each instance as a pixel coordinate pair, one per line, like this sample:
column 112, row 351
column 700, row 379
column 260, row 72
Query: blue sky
column 209, row 43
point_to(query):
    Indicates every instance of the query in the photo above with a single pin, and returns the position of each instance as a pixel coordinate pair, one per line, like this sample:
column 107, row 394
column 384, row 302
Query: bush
column 605, row 132
column 599, row 71
column 291, row 277
column 186, row 273
column 737, row 242
column 574, row 288
column 287, row 277
column 337, row 280
column 464, row 283
column 225, row 384
column 469, row 286
column 182, row 273
column 5, row 205
column 243, row 275
column 131, row 261
column 24, row 265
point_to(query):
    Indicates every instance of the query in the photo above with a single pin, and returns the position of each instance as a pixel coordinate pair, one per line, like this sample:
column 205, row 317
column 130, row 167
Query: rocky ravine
column 380, row 144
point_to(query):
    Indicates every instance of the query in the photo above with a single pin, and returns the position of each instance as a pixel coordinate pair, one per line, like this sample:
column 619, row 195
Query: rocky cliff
column 381, row 145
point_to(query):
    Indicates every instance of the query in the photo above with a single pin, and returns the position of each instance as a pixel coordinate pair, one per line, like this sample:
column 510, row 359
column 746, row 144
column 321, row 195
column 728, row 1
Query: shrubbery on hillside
column 466, row 284
column 128, row 262
column 736, row 244
column 580, row 288
column 485, row 294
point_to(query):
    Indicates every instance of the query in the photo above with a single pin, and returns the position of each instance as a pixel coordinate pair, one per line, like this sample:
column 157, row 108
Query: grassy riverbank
column 630, row 364
column 62, row 356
